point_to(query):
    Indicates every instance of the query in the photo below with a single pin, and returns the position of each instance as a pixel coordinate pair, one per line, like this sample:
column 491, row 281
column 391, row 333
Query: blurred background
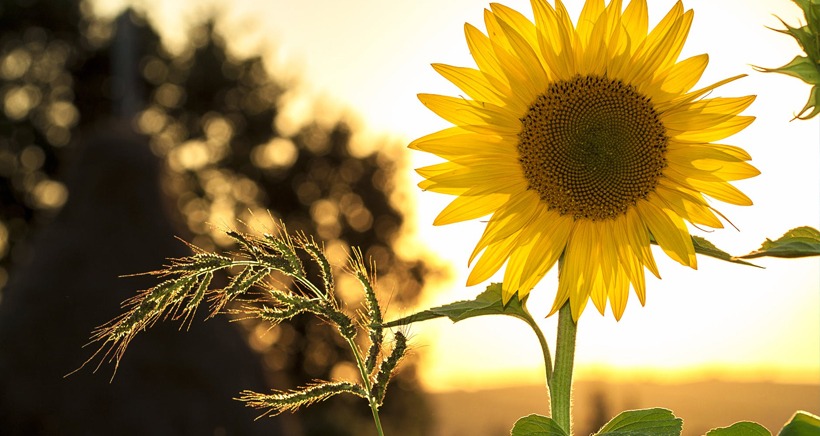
column 126, row 123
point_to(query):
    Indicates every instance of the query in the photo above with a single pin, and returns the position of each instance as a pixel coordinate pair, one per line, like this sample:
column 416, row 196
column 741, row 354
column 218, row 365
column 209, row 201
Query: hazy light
column 190, row 155
column 49, row 194
column 19, row 100
column 63, row 114
column 32, row 158
column 278, row 153
column 151, row 121
column 724, row 319
column 15, row 64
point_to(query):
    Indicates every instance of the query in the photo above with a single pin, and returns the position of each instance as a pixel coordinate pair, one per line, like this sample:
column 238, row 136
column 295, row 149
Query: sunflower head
column 583, row 142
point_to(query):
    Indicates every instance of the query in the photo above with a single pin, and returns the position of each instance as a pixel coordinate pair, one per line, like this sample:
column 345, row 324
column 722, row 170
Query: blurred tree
column 212, row 117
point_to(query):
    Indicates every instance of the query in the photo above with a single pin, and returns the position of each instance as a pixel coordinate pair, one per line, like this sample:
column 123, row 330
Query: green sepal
column 802, row 424
column 801, row 67
column 743, row 428
column 655, row 422
column 798, row 242
column 537, row 425
column 488, row 302
column 805, row 68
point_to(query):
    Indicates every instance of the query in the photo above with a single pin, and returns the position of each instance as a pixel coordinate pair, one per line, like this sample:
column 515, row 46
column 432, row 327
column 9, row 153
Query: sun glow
column 723, row 320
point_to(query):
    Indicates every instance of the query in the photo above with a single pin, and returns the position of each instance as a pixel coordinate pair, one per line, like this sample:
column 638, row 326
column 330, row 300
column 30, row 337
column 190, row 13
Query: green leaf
column 802, row 424
column 655, row 422
column 797, row 242
column 706, row 248
column 537, row 425
column 743, row 428
column 487, row 303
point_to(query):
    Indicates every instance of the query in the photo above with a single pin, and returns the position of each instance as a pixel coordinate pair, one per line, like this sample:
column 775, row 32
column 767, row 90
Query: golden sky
column 723, row 320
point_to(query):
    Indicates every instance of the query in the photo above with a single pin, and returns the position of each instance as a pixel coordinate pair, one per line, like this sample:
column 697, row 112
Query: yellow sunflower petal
column 618, row 294
column 589, row 17
column 556, row 40
column 669, row 231
column 518, row 21
column 722, row 191
column 551, row 243
column 576, row 275
column 636, row 21
column 629, row 258
column 469, row 113
column 545, row 238
column 465, row 208
column 473, row 82
column 482, row 50
column 510, row 218
column 685, row 205
column 491, row 260
column 704, row 114
column 455, row 143
column 637, row 236
column 718, row 132
column 526, row 60
column 565, row 180
column 684, row 75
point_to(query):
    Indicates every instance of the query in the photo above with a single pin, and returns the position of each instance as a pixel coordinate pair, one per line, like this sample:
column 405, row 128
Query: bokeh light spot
column 49, row 194
column 19, row 100
column 278, row 153
column 15, row 64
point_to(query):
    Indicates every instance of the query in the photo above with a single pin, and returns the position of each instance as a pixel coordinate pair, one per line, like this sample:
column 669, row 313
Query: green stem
column 374, row 404
column 561, row 386
column 545, row 349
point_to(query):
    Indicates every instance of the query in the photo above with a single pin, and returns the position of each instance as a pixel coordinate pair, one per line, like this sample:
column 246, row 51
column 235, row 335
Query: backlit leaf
column 487, row 303
column 655, row 422
column 743, row 428
column 537, row 425
column 802, row 424
column 797, row 242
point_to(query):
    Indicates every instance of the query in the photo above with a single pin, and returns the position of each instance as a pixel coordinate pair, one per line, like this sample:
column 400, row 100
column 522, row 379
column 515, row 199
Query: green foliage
column 805, row 68
column 797, row 242
column 537, row 425
column 702, row 246
column 743, row 428
column 488, row 302
column 802, row 424
column 656, row 422
column 187, row 285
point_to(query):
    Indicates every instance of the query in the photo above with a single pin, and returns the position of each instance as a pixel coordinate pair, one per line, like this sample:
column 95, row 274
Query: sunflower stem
column 561, row 384
column 545, row 348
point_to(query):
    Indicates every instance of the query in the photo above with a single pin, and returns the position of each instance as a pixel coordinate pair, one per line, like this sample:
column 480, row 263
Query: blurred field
column 702, row 405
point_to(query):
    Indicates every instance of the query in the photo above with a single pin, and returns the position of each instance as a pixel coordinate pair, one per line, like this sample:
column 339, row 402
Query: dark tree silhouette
column 211, row 117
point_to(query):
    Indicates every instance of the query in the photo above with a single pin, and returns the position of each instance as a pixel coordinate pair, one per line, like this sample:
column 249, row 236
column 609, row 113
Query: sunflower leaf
column 537, row 425
column 802, row 424
column 743, row 428
column 657, row 422
column 798, row 242
column 488, row 302
column 706, row 248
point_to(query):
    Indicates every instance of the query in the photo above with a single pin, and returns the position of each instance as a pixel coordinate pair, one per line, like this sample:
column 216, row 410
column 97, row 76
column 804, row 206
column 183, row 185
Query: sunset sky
column 372, row 57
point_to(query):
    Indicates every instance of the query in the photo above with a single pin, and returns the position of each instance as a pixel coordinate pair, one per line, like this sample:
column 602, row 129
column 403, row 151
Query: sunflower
column 585, row 143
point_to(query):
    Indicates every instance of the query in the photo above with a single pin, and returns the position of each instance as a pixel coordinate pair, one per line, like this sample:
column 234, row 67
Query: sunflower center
column 592, row 147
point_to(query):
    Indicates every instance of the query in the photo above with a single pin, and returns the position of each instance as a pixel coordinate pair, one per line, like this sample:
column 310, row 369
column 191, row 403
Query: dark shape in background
column 211, row 118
